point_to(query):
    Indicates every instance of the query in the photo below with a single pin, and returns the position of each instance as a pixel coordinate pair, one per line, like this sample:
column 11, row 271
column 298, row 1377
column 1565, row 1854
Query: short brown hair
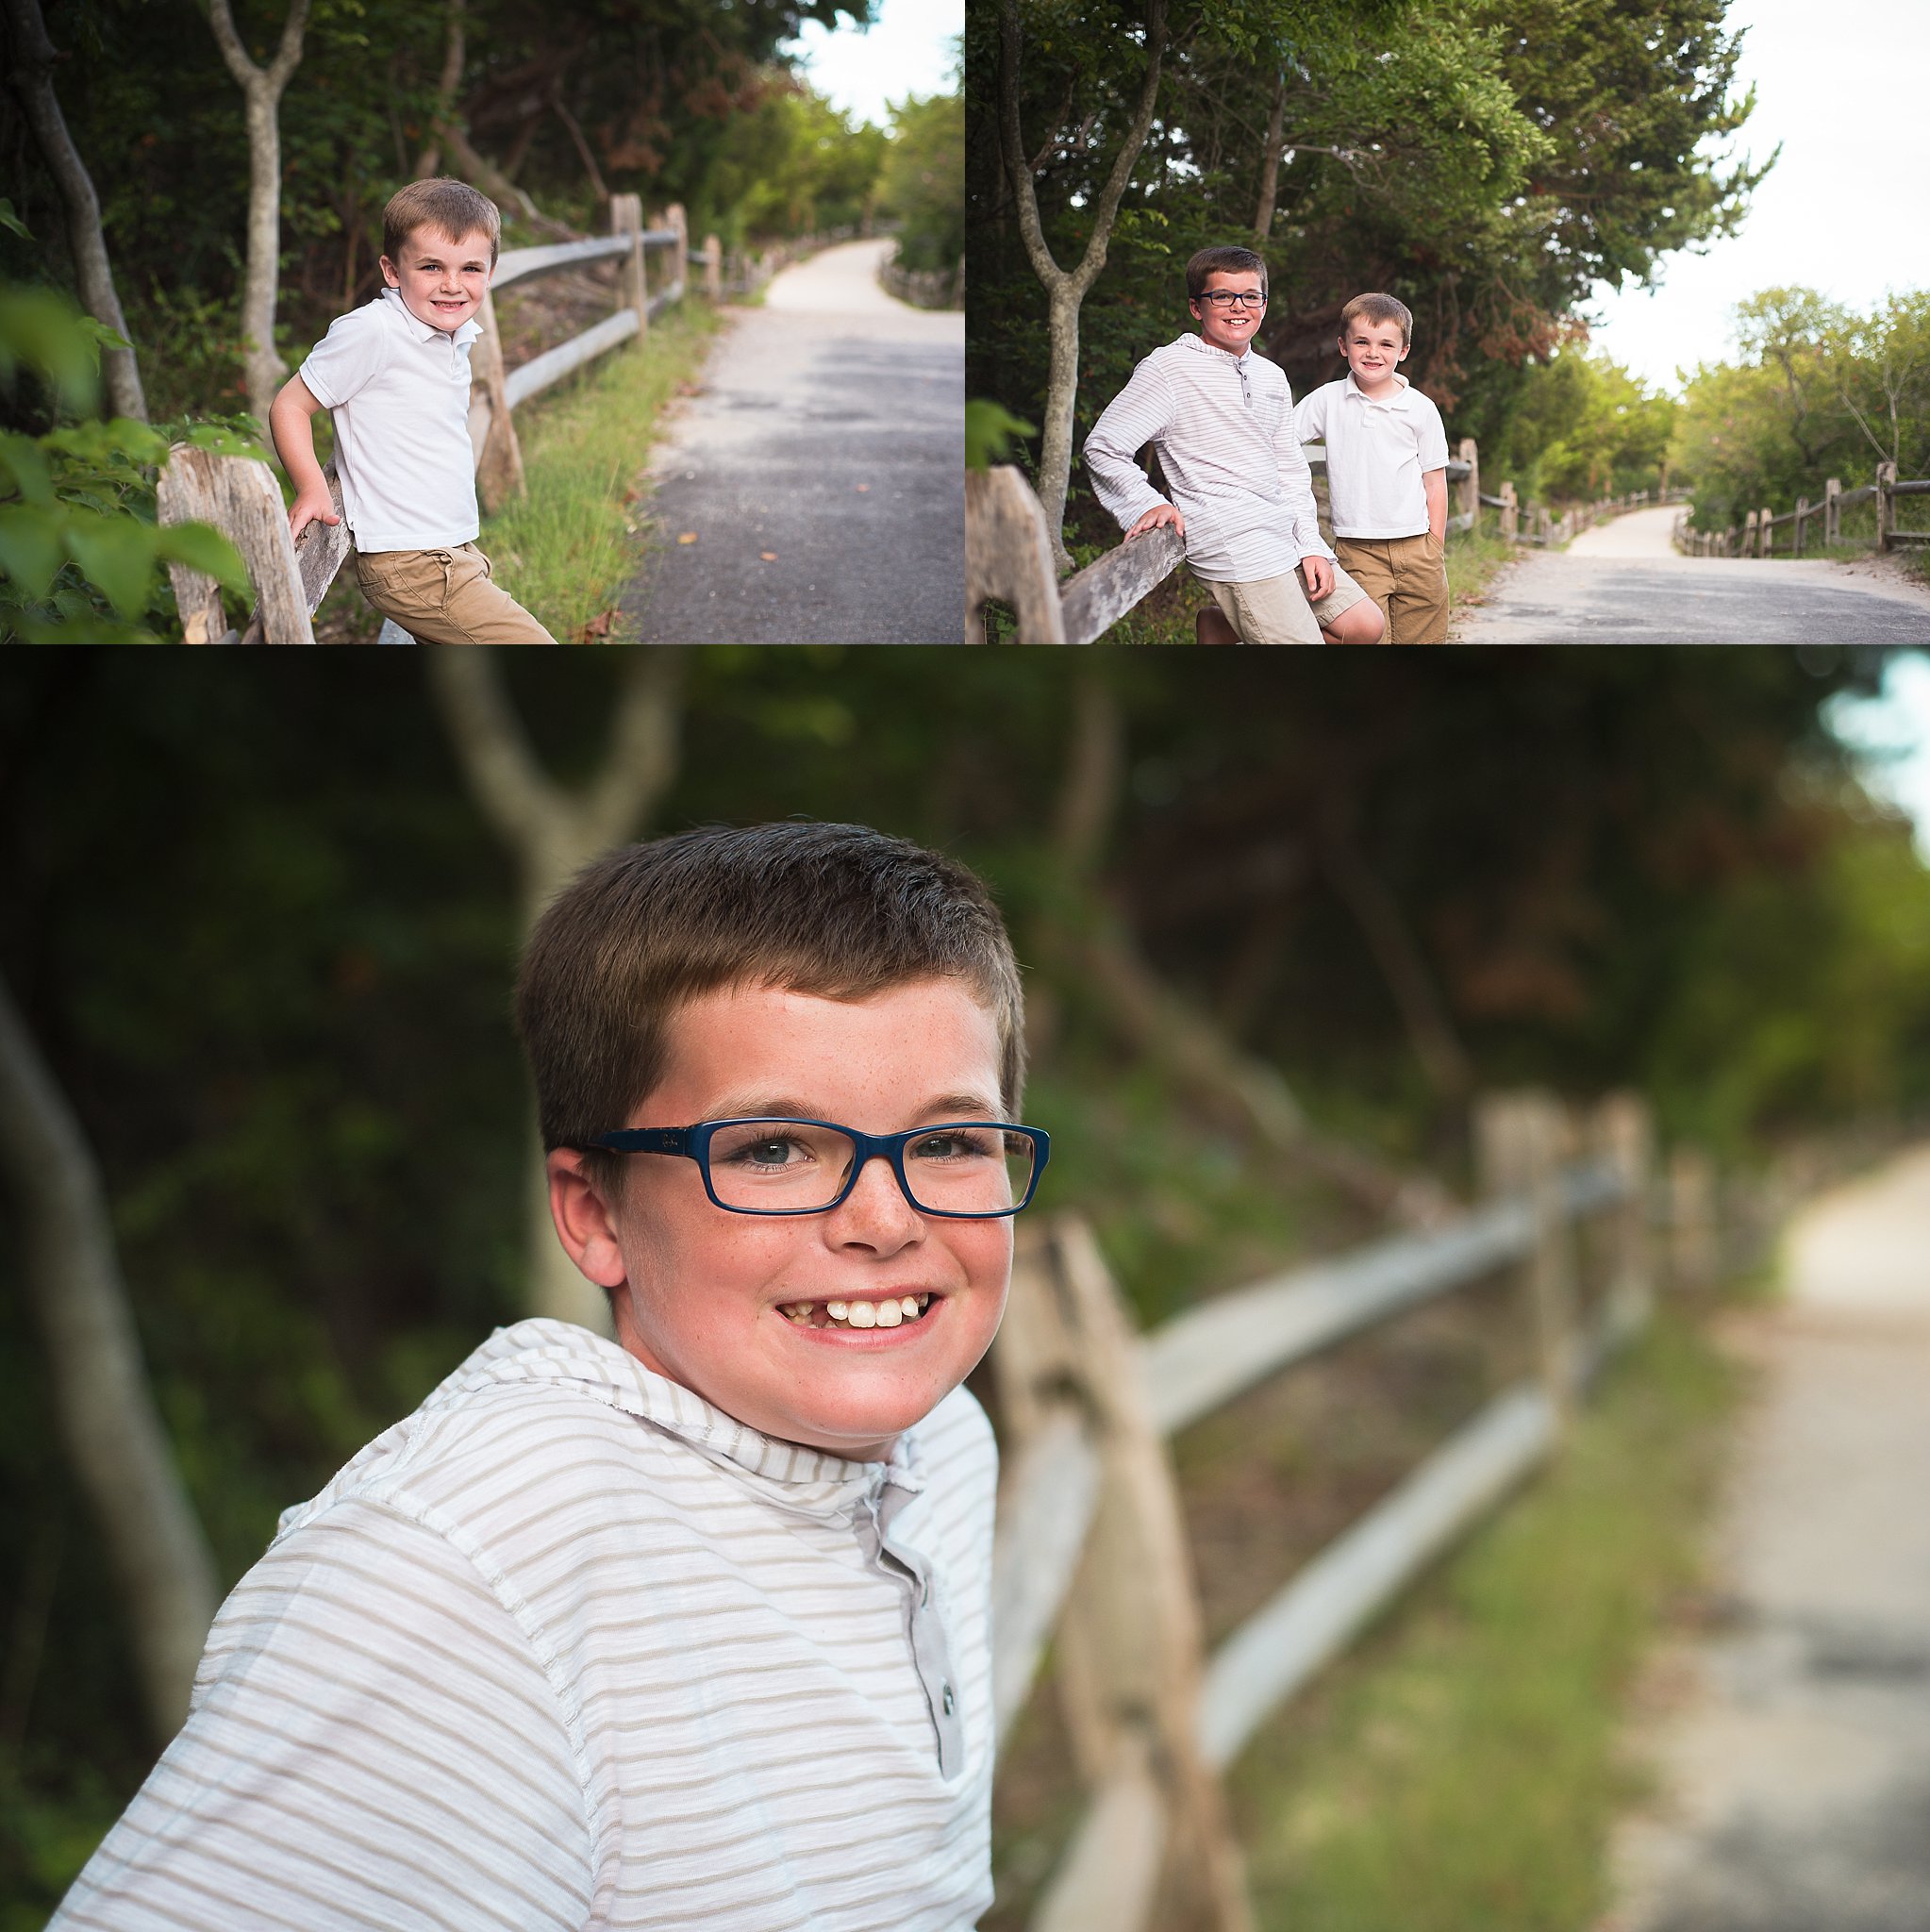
column 450, row 208
column 1380, row 308
column 841, row 911
column 1226, row 261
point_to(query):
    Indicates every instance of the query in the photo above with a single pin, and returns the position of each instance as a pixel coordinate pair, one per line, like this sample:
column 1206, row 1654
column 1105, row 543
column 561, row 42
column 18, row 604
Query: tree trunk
column 1095, row 948
column 261, row 87
column 453, row 50
column 33, row 81
column 1415, row 997
column 1065, row 291
column 552, row 833
column 105, row 1409
column 1270, row 168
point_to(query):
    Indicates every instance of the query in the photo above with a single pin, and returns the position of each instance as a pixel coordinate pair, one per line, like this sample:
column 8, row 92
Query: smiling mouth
column 888, row 1311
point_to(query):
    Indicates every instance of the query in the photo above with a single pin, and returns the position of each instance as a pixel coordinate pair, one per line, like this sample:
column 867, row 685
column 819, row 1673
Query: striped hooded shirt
column 570, row 1647
column 1224, row 427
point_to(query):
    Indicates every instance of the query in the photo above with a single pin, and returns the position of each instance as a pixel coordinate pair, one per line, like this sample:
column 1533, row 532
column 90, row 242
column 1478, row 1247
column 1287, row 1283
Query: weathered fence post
column 673, row 218
column 1544, row 525
column 1517, row 1142
column 1510, row 512
column 1749, row 534
column 1764, row 534
column 1008, row 555
column 713, row 268
column 1886, row 503
column 242, row 499
column 1692, row 1218
column 1470, row 452
column 633, row 283
column 1802, row 518
column 499, row 460
column 1832, row 511
column 1154, row 1847
column 1621, row 1137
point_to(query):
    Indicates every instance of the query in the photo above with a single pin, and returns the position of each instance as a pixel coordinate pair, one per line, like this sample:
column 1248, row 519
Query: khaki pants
column 1274, row 611
column 1408, row 577
column 445, row 598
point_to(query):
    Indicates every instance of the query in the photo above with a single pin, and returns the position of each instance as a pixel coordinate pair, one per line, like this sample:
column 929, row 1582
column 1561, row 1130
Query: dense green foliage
column 922, row 180
column 1485, row 163
column 264, row 940
column 1817, row 391
column 79, row 544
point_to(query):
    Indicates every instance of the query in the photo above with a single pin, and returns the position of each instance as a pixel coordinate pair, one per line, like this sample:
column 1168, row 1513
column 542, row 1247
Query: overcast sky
column 907, row 50
column 1842, row 87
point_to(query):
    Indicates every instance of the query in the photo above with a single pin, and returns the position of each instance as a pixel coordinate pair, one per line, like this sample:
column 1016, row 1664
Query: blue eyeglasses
column 961, row 1170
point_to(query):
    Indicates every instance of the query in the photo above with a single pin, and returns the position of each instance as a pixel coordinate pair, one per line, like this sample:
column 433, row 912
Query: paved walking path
column 1795, row 1777
column 1622, row 583
column 820, row 469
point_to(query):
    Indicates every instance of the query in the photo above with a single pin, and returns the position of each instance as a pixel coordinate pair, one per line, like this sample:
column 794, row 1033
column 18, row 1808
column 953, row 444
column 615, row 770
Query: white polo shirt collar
column 1396, row 400
column 461, row 336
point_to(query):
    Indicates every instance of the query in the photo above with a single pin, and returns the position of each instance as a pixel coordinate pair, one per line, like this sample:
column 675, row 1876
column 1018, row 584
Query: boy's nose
column 875, row 1213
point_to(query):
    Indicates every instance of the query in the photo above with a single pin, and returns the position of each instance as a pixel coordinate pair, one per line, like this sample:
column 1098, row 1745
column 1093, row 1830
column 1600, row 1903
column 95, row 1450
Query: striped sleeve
column 1296, row 486
column 374, row 1743
column 1138, row 414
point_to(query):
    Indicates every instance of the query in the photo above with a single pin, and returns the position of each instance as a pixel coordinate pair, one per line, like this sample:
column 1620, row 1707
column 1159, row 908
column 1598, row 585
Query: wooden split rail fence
column 240, row 497
column 1008, row 549
column 1091, row 1553
column 1756, row 535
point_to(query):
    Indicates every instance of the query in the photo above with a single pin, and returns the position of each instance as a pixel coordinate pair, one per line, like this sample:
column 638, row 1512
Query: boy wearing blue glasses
column 690, row 1628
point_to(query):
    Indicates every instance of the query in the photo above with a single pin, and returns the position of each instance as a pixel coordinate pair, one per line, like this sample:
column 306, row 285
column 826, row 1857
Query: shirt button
column 948, row 1700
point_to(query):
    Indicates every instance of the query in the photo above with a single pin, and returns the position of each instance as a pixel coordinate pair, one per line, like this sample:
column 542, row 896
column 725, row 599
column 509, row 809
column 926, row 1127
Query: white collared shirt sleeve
column 1430, row 434
column 350, row 357
column 1296, row 484
column 1138, row 414
column 1310, row 415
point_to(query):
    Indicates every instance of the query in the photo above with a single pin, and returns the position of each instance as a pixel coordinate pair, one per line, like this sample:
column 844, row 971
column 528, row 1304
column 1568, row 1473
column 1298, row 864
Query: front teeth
column 884, row 1314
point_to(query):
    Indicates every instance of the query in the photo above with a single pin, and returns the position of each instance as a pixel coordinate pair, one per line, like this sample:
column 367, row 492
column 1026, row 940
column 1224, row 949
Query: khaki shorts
column 1408, row 577
column 1274, row 611
column 445, row 598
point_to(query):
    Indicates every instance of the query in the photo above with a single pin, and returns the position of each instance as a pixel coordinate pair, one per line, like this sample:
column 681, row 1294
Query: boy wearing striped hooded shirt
column 688, row 1628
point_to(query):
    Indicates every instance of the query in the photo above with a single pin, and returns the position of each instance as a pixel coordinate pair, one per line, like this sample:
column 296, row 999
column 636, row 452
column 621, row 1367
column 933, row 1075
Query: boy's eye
column 955, row 1143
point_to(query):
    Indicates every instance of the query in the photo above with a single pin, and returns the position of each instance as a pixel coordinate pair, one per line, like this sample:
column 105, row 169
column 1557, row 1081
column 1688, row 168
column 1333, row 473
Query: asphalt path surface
column 812, row 490
column 1622, row 583
column 1795, row 1769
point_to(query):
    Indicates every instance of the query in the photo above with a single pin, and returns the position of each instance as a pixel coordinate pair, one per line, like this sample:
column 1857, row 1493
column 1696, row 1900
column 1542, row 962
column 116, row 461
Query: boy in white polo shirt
column 394, row 375
column 1387, row 472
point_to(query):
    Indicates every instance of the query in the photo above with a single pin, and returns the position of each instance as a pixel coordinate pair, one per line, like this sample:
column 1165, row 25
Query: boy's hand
column 1159, row 513
column 1319, row 572
column 310, row 506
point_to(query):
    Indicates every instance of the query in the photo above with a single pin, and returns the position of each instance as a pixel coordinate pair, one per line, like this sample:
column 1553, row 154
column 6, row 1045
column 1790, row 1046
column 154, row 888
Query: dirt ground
column 1790, row 1740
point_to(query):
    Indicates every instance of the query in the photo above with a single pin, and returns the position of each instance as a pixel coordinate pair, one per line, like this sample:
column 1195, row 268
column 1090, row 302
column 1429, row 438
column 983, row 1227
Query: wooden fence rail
column 1008, row 549
column 290, row 580
column 1091, row 1553
column 1755, row 536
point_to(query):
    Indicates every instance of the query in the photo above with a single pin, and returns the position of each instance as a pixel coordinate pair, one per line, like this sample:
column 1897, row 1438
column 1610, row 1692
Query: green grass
column 1460, row 1771
column 566, row 550
column 1474, row 557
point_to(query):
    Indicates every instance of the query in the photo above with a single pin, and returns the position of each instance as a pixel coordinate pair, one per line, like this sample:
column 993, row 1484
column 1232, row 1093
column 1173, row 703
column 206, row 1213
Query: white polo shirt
column 398, row 390
column 1377, row 451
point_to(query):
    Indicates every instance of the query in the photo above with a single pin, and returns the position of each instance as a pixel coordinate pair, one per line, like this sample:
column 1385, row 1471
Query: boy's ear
column 388, row 275
column 583, row 1219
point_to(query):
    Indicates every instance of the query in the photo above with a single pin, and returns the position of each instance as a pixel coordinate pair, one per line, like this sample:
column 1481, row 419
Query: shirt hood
column 540, row 1353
